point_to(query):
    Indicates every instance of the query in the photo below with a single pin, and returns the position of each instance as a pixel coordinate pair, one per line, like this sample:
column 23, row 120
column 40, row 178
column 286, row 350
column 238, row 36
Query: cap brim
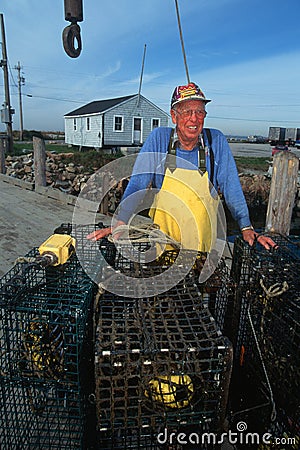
column 202, row 99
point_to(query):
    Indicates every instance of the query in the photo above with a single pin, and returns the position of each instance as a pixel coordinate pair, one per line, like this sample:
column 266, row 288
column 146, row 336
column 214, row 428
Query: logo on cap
column 189, row 91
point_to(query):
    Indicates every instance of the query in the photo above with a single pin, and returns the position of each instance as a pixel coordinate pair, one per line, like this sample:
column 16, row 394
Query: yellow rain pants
column 185, row 209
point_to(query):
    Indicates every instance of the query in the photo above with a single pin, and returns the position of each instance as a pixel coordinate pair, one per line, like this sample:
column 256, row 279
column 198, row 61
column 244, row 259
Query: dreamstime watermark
column 238, row 437
column 111, row 279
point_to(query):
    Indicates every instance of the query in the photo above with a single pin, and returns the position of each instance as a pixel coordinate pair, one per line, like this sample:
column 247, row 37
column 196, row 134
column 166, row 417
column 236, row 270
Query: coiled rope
column 142, row 233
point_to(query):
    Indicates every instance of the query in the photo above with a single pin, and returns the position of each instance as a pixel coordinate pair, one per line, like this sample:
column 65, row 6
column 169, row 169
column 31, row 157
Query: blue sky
column 244, row 54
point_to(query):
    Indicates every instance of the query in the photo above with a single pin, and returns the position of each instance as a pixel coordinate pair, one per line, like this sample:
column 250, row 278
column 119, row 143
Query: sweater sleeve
column 148, row 170
column 227, row 179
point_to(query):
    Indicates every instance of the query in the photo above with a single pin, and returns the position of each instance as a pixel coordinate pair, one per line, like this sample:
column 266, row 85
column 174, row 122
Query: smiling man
column 186, row 204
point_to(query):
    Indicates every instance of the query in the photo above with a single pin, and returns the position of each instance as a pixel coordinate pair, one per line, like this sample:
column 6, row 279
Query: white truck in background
column 284, row 136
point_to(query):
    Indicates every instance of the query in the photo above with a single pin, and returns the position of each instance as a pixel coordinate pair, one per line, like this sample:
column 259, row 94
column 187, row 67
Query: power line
column 15, row 84
column 54, row 98
column 253, row 120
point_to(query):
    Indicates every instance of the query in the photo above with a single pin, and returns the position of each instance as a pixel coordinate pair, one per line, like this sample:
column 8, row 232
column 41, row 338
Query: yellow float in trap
column 173, row 391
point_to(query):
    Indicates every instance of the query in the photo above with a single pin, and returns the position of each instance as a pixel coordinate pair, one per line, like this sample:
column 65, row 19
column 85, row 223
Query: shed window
column 155, row 123
column 88, row 124
column 74, row 124
column 118, row 123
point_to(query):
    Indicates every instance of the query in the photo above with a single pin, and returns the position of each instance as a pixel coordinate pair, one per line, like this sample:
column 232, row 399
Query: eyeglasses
column 187, row 113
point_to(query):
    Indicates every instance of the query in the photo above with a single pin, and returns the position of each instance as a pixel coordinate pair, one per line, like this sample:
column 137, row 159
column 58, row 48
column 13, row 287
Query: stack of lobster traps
column 162, row 363
column 105, row 352
column 46, row 357
column 268, row 336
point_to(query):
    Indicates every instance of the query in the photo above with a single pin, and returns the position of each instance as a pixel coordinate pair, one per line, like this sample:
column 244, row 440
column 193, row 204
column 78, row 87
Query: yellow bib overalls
column 185, row 209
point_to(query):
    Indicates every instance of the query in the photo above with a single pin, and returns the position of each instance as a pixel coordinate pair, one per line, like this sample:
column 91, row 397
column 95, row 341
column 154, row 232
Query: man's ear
column 173, row 115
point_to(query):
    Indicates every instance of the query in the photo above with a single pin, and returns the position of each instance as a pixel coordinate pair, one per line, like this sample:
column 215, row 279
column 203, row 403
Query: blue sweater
column 149, row 169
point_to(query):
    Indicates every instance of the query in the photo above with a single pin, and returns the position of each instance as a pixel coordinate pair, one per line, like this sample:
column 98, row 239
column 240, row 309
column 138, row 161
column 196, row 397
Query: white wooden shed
column 122, row 121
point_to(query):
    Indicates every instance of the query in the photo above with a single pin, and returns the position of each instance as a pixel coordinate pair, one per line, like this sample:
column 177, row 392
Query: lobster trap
column 46, row 358
column 161, row 363
column 284, row 430
column 249, row 400
column 138, row 259
column 217, row 292
column 268, row 338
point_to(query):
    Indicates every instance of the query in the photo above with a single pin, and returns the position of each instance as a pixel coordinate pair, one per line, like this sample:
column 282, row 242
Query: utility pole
column 7, row 111
column 21, row 81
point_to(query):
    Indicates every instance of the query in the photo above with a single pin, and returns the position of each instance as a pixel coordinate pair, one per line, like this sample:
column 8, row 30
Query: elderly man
column 204, row 166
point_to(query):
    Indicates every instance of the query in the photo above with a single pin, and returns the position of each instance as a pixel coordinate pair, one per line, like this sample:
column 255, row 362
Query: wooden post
column 3, row 147
column 39, row 152
column 105, row 186
column 282, row 193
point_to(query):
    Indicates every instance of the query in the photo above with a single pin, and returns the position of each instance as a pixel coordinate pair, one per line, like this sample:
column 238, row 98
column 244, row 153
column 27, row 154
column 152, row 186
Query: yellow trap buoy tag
column 59, row 247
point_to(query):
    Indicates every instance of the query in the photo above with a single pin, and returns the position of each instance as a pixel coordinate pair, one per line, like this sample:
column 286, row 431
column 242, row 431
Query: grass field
column 252, row 163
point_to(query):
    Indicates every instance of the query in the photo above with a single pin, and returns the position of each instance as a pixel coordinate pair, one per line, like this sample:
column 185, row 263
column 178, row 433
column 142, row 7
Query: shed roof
column 99, row 106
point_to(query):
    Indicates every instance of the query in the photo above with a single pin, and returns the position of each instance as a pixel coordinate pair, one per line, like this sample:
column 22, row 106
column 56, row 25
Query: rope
column 24, row 259
column 274, row 290
column 273, row 413
column 271, row 292
column 142, row 233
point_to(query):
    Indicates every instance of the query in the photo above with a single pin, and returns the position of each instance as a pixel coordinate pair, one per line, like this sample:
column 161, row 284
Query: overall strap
column 201, row 158
column 171, row 165
column 171, row 150
column 211, row 155
column 202, row 165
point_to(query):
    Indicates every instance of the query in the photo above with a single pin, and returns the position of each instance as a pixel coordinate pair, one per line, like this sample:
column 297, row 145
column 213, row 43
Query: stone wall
column 70, row 178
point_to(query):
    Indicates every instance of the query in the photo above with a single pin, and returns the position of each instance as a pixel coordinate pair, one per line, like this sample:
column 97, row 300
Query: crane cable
column 182, row 42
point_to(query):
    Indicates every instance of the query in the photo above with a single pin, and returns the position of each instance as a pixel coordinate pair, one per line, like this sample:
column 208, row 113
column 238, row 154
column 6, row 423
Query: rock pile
column 63, row 174
column 60, row 173
column 256, row 189
column 20, row 167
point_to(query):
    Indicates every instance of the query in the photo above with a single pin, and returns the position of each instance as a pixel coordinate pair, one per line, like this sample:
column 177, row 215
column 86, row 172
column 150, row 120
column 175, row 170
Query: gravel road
column 262, row 150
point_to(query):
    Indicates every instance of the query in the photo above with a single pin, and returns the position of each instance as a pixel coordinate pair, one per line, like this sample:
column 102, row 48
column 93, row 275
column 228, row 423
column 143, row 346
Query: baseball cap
column 188, row 92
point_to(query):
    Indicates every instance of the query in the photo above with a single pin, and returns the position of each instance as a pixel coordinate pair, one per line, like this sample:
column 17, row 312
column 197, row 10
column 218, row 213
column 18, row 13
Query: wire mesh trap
column 138, row 259
column 46, row 359
column 160, row 362
column 249, row 400
column 269, row 329
column 284, row 429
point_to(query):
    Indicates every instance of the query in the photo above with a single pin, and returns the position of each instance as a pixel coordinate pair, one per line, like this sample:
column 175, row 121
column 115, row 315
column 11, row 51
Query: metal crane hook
column 71, row 34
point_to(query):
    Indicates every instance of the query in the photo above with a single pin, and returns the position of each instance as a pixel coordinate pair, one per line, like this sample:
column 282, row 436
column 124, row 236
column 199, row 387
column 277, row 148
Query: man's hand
column 250, row 236
column 100, row 234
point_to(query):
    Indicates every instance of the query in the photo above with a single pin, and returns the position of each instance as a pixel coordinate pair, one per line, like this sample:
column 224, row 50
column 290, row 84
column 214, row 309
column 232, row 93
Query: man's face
column 189, row 119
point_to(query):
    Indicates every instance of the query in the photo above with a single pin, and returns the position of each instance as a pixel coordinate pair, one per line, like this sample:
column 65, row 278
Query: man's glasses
column 187, row 113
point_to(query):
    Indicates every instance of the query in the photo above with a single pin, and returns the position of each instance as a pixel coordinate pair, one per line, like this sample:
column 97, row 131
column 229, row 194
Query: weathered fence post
column 3, row 147
column 282, row 192
column 39, row 151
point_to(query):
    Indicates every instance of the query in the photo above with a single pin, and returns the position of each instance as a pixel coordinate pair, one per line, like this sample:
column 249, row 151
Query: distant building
column 257, row 139
column 123, row 121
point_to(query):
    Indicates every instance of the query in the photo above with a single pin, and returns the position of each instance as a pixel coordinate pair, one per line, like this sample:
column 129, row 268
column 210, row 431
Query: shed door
column 137, row 130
